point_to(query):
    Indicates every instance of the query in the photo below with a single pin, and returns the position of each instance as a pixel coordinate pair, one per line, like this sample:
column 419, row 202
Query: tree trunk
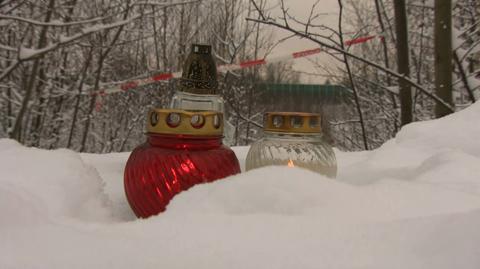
column 155, row 40
column 403, row 61
column 17, row 128
column 78, row 97
column 9, row 89
column 463, row 77
column 254, row 81
column 386, row 61
column 350, row 77
column 166, row 64
column 103, row 55
column 443, row 54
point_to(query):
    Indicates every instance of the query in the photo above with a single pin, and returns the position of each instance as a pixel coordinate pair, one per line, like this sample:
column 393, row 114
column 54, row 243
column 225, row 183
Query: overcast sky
column 301, row 10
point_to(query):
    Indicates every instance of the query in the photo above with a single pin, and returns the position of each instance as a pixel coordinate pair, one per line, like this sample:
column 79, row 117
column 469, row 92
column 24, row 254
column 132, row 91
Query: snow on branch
column 147, row 3
column 25, row 54
column 4, row 47
column 64, row 24
column 52, row 23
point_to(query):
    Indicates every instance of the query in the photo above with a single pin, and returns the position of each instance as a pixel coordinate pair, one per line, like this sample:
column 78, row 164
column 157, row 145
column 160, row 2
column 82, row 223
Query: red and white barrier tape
column 125, row 86
column 360, row 40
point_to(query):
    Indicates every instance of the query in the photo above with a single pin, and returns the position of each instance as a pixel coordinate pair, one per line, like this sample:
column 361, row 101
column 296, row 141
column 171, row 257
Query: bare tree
column 350, row 77
column 403, row 60
column 443, row 54
column 17, row 127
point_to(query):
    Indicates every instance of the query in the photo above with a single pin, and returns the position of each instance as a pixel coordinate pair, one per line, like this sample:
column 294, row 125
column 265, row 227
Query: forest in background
column 54, row 54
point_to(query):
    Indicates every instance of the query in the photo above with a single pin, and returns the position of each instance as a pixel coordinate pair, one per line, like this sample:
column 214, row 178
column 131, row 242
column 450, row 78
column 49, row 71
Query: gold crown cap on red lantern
column 292, row 122
column 199, row 75
column 176, row 121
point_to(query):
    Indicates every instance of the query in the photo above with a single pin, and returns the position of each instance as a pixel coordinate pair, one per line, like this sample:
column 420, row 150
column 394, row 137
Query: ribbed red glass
column 168, row 164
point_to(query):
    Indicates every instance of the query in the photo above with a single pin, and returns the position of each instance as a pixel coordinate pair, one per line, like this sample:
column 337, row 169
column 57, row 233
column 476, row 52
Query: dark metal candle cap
column 199, row 74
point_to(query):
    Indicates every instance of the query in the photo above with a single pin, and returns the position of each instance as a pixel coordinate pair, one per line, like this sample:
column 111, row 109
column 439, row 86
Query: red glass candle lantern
column 183, row 148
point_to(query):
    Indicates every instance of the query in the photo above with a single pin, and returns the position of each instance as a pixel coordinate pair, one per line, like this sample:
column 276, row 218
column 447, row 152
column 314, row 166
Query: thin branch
column 258, row 9
column 350, row 77
column 53, row 24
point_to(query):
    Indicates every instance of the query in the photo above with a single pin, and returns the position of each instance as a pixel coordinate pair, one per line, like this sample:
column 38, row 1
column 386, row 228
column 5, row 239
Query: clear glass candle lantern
column 183, row 148
column 293, row 139
column 198, row 87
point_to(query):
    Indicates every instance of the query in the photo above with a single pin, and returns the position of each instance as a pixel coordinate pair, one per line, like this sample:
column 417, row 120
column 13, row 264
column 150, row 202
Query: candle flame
column 290, row 163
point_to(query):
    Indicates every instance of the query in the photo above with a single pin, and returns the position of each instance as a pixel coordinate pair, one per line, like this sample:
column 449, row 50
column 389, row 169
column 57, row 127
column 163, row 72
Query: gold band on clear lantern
column 292, row 122
column 181, row 122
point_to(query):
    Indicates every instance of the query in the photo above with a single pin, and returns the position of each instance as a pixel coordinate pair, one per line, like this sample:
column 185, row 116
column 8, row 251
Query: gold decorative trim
column 292, row 122
column 177, row 121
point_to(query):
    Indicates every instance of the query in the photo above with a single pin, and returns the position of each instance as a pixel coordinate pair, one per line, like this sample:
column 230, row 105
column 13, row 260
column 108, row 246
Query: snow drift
column 413, row 203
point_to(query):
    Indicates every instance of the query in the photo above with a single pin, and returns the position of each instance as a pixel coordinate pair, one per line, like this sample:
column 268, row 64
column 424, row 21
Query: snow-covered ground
column 413, row 203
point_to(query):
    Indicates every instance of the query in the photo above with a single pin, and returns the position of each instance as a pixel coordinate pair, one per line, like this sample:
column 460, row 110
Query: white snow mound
column 55, row 184
column 413, row 203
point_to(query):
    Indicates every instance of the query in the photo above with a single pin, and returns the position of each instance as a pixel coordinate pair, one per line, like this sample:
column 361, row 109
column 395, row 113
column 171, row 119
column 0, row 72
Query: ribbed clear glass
column 191, row 101
column 308, row 151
